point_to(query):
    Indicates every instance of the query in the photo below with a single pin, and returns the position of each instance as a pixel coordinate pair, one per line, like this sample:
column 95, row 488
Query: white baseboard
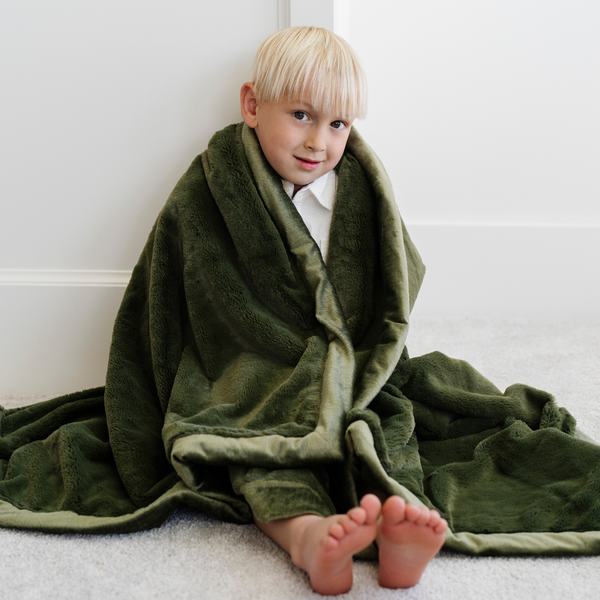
column 62, row 277
column 56, row 325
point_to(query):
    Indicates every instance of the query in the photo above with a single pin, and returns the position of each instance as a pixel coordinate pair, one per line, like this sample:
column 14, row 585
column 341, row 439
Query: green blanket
column 244, row 371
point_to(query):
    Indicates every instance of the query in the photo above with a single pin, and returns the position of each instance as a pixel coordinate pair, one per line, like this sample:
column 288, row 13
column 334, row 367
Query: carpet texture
column 193, row 556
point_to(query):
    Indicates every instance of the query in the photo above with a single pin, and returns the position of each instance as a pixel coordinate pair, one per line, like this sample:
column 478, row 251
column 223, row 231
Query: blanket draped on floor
column 245, row 371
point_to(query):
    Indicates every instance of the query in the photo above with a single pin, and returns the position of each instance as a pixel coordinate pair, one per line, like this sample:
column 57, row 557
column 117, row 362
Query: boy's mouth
column 309, row 165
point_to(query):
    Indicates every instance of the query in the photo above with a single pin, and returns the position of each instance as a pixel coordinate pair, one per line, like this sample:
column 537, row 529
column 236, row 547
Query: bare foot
column 409, row 537
column 325, row 546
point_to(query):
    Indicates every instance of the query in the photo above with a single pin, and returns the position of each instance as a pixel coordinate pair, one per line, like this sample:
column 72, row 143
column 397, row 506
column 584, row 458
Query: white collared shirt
column 315, row 202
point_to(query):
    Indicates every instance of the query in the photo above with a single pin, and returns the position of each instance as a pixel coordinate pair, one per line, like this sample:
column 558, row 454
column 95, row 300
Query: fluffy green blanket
column 244, row 369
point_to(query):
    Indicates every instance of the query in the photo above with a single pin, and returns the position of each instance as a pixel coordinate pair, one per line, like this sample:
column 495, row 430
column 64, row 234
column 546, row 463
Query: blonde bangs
column 313, row 65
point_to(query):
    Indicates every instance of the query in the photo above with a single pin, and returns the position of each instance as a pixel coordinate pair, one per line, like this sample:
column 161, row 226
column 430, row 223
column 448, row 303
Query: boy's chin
column 307, row 177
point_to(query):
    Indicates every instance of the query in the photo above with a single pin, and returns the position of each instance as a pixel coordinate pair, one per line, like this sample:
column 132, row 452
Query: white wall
column 103, row 107
column 485, row 114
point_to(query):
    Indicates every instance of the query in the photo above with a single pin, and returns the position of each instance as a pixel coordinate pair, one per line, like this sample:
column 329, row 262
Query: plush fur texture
column 245, row 375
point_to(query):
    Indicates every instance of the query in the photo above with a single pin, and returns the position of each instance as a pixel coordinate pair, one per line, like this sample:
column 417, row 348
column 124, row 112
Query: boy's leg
column 293, row 507
column 408, row 536
column 324, row 546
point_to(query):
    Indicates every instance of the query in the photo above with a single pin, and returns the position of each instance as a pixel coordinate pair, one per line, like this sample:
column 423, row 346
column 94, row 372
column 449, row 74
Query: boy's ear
column 249, row 105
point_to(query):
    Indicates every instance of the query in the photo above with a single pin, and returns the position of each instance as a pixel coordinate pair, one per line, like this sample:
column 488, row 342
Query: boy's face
column 299, row 142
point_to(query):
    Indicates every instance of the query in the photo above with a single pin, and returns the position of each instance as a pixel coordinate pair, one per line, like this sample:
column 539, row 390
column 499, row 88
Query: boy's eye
column 338, row 124
column 300, row 115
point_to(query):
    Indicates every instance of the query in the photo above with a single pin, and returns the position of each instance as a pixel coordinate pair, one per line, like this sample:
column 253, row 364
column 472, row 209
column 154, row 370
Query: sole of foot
column 329, row 544
column 409, row 537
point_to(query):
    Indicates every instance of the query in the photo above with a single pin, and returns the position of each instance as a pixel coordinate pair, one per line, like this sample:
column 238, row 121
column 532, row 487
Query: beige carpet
column 194, row 557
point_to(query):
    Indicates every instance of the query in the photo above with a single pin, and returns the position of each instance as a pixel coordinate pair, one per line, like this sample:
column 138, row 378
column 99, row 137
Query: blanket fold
column 246, row 374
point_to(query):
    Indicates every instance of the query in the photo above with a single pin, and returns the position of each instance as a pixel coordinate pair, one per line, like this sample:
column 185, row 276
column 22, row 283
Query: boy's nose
column 316, row 141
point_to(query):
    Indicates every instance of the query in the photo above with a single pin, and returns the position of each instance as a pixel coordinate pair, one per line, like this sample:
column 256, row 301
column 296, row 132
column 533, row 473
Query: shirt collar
column 323, row 189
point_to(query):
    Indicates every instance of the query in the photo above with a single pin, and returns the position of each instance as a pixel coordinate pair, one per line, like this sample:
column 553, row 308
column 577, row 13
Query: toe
column 358, row 515
column 434, row 518
column 371, row 504
column 441, row 527
column 423, row 518
column 329, row 543
column 337, row 531
column 413, row 512
column 394, row 510
column 350, row 526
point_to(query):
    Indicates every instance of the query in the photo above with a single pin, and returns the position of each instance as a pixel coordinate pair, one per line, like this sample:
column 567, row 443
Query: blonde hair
column 314, row 65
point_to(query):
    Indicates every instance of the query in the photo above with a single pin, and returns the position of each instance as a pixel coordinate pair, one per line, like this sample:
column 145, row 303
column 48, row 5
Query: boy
column 258, row 368
column 307, row 89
